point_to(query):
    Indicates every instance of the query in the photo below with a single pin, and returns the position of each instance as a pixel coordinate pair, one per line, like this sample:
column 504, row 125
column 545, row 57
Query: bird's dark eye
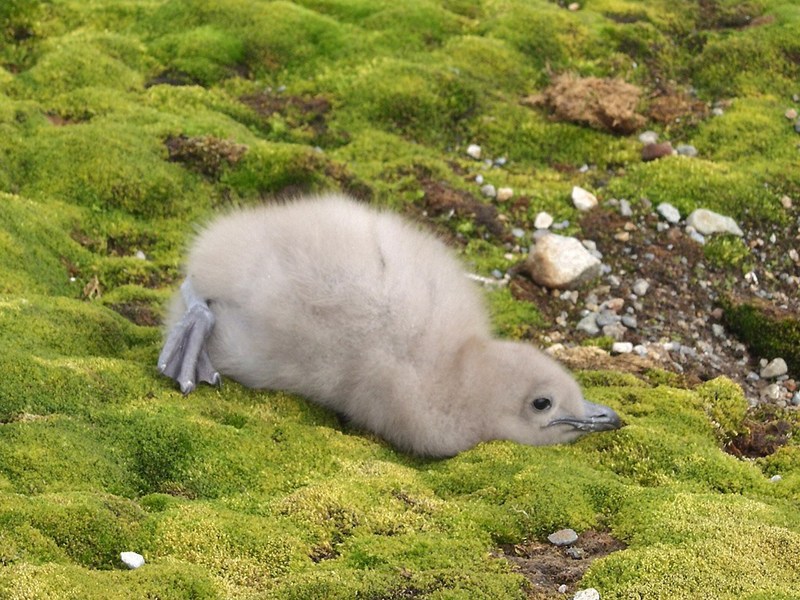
column 542, row 403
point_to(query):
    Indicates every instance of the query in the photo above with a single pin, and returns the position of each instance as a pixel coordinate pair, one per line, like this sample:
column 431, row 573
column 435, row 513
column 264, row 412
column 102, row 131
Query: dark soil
column 546, row 567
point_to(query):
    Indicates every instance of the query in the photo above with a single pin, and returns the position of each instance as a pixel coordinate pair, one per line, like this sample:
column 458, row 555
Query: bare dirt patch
column 547, row 567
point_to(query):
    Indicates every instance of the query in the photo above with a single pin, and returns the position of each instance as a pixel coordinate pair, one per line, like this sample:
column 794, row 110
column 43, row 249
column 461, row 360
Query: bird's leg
column 184, row 357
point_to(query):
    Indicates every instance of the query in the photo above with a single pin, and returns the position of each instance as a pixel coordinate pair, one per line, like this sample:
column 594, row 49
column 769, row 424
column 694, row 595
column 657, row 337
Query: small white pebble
column 140, row 255
column 621, row 348
column 132, row 560
column 562, row 589
column 543, row 221
column 775, row 478
column 479, row 179
column 587, row 594
column 583, row 199
column 474, row 151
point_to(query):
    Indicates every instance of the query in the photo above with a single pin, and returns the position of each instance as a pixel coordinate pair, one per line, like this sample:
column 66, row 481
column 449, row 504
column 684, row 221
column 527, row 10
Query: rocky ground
column 660, row 296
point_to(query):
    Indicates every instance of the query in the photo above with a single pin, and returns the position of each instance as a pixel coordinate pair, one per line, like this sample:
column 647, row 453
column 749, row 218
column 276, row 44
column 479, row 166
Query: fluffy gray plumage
column 363, row 313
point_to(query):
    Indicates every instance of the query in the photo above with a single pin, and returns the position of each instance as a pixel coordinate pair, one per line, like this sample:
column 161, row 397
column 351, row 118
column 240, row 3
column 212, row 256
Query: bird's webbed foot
column 184, row 357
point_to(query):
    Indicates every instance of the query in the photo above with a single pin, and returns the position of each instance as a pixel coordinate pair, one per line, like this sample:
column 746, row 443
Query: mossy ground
column 233, row 493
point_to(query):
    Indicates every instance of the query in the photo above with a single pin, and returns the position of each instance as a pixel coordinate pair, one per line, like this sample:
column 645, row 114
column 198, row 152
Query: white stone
column 775, row 368
column 706, row 222
column 583, row 199
column 504, row 193
column 489, row 191
column 669, row 212
column 561, row 262
column 140, row 255
column 772, row 393
column 474, row 151
column 648, row 137
column 640, row 287
column 621, row 348
column 587, row 594
column 132, row 560
column 543, row 221
column 775, row 478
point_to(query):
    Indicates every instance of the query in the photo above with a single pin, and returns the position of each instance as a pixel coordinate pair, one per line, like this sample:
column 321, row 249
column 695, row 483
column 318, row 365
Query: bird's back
column 332, row 299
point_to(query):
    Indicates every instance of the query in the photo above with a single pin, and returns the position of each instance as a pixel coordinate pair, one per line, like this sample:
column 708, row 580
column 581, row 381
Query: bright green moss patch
column 695, row 183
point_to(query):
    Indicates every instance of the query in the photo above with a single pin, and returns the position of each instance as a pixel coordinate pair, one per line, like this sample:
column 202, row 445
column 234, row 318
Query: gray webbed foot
column 184, row 357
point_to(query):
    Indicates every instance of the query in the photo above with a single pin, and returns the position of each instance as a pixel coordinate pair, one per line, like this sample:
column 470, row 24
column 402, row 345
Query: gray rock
column 563, row 537
column 630, row 321
column 772, row 393
column 775, row 368
column 588, row 324
column 718, row 330
column 686, row 150
column 625, row 208
column 517, row 232
column 640, row 287
column 796, row 399
column 575, row 553
column 583, row 199
column 561, row 262
column 607, row 317
column 717, row 111
column 489, row 190
column 587, row 594
column 775, row 479
column 616, row 331
column 707, row 222
column 697, row 237
column 669, row 212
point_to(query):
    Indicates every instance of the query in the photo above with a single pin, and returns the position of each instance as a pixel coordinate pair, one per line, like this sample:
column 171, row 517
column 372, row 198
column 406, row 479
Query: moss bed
column 125, row 124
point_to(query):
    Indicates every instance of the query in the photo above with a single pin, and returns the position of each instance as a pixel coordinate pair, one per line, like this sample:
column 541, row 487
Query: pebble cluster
column 612, row 309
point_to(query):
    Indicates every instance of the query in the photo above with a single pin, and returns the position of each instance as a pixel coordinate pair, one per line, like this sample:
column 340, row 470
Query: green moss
column 82, row 59
column 118, row 167
column 751, row 130
column 725, row 404
column 695, row 183
column 513, row 318
column 745, row 64
column 700, row 536
column 204, row 53
column 36, row 253
column 729, row 251
column 269, row 168
column 769, row 335
column 525, row 134
column 425, row 103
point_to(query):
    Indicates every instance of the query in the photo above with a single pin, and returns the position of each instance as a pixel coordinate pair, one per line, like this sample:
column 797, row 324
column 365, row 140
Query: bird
column 361, row 311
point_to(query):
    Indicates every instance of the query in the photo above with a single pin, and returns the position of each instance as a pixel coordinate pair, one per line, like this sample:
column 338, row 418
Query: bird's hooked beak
column 596, row 417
